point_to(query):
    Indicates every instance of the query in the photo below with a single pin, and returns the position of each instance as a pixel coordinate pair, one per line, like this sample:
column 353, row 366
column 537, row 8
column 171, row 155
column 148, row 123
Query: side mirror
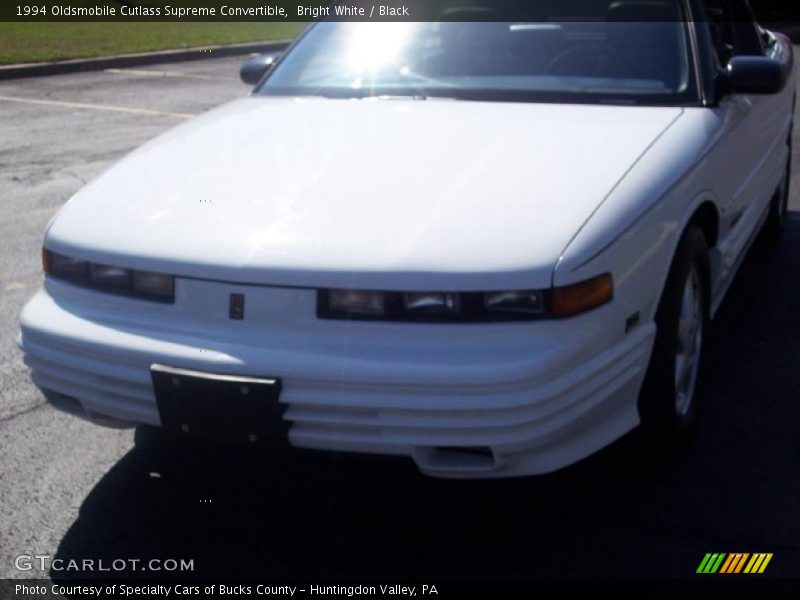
column 755, row 75
column 256, row 67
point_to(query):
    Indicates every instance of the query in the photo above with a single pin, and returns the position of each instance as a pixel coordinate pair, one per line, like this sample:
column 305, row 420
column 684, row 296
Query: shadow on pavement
column 239, row 512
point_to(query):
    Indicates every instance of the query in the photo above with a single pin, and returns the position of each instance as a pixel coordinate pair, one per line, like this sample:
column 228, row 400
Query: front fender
column 634, row 233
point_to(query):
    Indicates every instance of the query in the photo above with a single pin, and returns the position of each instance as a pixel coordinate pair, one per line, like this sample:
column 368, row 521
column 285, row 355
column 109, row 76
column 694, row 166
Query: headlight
column 68, row 268
column 438, row 304
column 510, row 305
column 356, row 302
column 112, row 278
column 108, row 278
column 528, row 302
column 157, row 286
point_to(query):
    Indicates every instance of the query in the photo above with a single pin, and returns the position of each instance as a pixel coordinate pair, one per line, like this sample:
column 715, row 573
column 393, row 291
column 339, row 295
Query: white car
column 492, row 247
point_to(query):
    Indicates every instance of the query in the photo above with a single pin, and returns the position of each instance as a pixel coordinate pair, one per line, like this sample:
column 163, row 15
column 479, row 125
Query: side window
column 733, row 30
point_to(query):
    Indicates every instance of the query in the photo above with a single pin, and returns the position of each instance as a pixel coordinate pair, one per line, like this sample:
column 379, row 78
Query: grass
column 37, row 42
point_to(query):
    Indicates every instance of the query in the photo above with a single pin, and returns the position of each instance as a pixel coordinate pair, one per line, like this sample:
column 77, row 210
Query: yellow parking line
column 107, row 107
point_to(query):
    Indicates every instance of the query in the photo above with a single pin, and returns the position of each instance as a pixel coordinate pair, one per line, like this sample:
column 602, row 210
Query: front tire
column 667, row 403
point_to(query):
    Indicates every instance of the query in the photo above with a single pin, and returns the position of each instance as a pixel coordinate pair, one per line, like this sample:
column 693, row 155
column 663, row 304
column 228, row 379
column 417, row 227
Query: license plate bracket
column 220, row 407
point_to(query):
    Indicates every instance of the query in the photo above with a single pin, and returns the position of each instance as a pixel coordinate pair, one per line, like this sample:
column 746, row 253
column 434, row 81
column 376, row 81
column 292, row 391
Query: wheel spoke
column 689, row 342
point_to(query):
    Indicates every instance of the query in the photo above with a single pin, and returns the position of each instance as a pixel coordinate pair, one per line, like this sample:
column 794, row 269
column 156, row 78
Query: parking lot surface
column 73, row 490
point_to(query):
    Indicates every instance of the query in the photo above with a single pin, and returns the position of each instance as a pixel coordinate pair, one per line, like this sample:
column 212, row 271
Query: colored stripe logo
column 734, row 563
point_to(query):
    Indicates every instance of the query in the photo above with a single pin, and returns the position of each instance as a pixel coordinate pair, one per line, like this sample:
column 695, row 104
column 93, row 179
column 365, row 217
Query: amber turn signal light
column 47, row 262
column 581, row 297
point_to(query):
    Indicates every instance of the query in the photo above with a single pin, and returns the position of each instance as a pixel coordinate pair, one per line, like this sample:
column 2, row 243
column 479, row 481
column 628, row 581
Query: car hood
column 381, row 193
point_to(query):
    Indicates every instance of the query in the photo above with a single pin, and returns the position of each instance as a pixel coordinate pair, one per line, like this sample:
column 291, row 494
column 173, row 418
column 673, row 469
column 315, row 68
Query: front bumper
column 492, row 400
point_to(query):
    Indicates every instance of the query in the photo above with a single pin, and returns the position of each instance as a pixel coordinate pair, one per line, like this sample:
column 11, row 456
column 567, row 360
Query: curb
column 135, row 60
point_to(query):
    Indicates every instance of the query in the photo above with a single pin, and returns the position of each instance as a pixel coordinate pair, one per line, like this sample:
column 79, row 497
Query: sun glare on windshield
column 374, row 46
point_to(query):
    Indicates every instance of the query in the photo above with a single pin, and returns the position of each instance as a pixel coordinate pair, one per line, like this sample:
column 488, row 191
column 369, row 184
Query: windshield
column 562, row 61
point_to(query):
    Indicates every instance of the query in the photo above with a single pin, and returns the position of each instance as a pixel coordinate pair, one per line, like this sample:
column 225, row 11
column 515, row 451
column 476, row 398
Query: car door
column 747, row 156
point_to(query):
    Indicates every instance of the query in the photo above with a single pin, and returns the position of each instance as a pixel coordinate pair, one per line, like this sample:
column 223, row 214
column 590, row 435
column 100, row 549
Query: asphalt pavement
column 74, row 490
